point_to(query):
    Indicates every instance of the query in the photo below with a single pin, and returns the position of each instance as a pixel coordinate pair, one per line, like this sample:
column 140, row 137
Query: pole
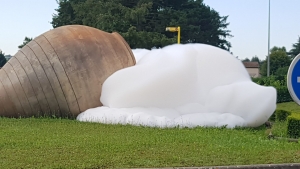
column 178, row 40
column 175, row 29
column 268, row 71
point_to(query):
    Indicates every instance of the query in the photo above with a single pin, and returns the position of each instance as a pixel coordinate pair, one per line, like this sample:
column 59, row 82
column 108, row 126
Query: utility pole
column 268, row 71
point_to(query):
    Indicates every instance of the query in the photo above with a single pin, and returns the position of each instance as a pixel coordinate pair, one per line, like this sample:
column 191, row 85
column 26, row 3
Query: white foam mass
column 183, row 85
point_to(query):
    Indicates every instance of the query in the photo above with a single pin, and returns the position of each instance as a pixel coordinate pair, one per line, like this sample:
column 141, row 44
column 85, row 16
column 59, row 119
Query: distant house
column 252, row 68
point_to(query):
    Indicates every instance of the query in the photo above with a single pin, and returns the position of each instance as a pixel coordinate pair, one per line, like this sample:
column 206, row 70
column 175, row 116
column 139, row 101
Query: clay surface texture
column 61, row 72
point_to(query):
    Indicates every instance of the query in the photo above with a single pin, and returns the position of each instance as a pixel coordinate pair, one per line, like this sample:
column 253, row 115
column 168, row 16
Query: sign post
column 175, row 29
column 293, row 79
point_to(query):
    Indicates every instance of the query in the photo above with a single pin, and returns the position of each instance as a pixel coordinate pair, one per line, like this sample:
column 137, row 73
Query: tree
column 279, row 62
column 295, row 49
column 2, row 59
column 255, row 59
column 65, row 13
column 142, row 22
column 246, row 60
column 26, row 40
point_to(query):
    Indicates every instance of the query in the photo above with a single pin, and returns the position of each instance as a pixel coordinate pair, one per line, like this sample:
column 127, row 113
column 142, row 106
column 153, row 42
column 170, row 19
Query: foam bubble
column 183, row 85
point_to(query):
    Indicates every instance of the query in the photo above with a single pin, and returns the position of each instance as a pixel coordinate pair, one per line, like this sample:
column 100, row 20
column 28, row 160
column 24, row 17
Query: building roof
column 251, row 64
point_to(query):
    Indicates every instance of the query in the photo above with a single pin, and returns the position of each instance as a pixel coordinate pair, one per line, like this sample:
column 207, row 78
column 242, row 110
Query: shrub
column 281, row 115
column 293, row 125
column 279, row 82
column 283, row 94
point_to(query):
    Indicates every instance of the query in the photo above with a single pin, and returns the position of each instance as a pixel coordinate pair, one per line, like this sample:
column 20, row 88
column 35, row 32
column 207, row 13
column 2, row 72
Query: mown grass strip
column 62, row 143
column 289, row 106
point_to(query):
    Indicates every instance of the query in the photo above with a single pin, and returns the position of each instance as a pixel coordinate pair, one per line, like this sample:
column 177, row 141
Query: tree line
column 142, row 23
column 2, row 59
column 2, row 54
column 280, row 60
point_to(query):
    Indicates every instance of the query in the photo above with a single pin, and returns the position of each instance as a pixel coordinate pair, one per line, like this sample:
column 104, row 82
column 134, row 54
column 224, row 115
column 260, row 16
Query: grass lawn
column 279, row 128
column 290, row 106
column 62, row 143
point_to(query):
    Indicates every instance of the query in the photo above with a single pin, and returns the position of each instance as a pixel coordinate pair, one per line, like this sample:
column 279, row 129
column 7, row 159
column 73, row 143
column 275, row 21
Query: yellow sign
column 174, row 29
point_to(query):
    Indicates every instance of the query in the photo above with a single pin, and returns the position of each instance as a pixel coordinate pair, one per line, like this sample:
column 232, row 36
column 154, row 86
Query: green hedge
column 293, row 125
column 283, row 94
column 278, row 82
column 281, row 115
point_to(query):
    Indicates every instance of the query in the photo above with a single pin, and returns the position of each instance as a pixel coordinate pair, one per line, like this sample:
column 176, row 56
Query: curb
column 260, row 166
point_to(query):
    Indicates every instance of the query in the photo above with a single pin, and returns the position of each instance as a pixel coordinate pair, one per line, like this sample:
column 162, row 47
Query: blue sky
column 248, row 23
